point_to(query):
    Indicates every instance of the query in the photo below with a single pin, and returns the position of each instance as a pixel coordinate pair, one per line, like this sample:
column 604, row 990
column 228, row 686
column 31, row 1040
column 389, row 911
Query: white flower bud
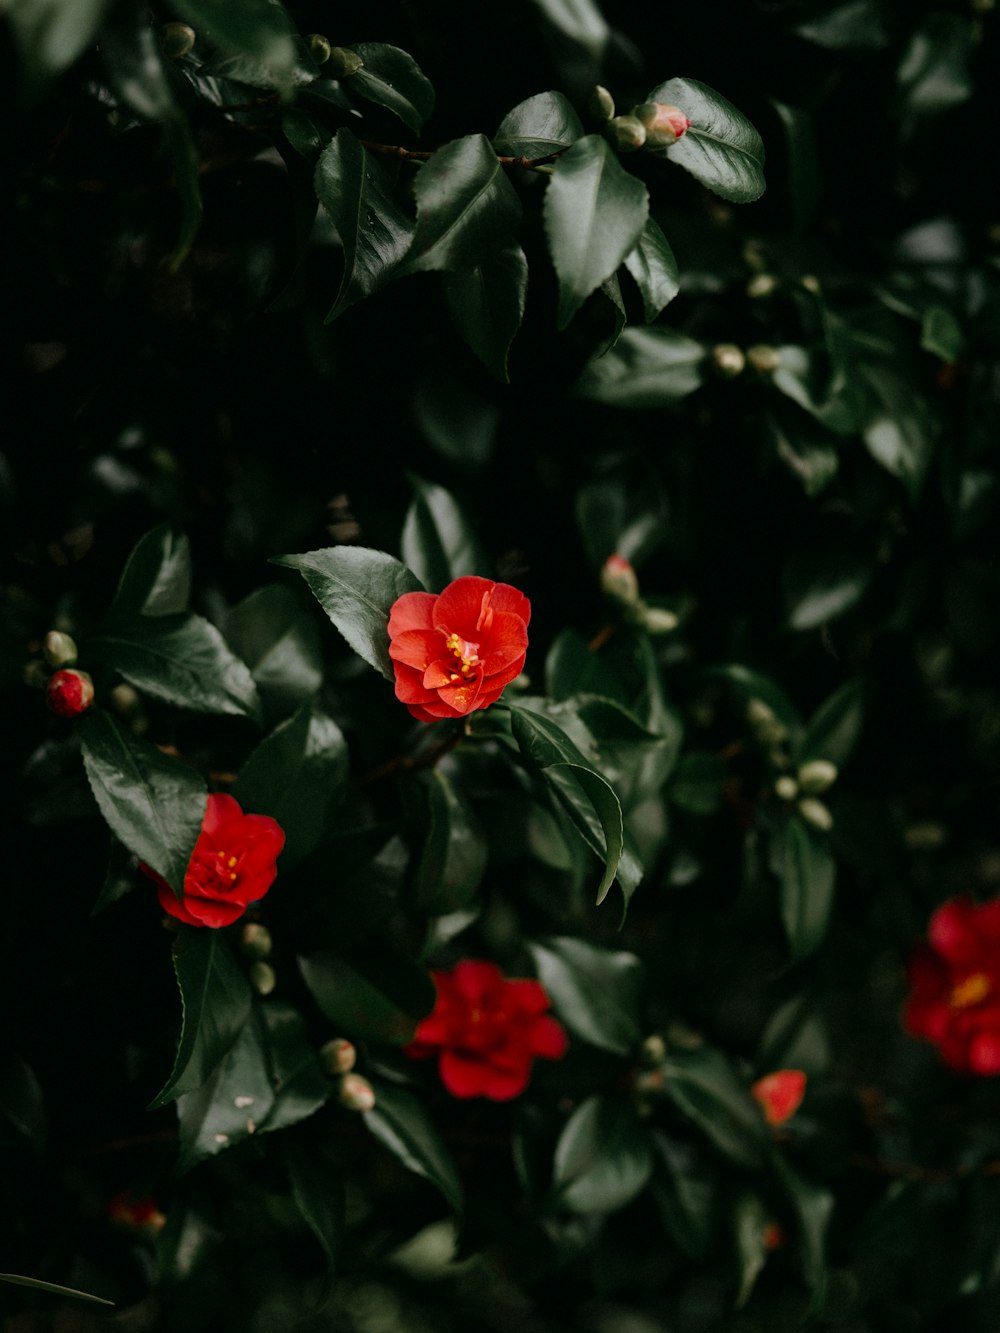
column 817, row 775
column 815, row 812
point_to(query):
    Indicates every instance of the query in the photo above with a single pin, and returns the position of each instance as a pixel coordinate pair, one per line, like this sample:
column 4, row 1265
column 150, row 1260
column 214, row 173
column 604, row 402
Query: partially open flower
column 69, row 693
column 664, row 123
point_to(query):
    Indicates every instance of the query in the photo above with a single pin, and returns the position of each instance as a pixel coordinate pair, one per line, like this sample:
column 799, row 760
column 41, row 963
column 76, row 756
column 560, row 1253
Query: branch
column 422, row 155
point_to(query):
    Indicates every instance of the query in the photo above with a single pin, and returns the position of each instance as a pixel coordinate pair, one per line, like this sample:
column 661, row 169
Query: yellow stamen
column 973, row 990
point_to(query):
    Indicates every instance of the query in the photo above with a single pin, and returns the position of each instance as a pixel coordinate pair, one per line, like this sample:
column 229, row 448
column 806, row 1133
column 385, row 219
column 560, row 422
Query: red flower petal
column 780, row 1094
column 412, row 611
column 548, row 1038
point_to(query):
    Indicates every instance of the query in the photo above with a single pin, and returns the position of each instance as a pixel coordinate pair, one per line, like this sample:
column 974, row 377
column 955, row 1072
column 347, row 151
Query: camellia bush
column 501, row 627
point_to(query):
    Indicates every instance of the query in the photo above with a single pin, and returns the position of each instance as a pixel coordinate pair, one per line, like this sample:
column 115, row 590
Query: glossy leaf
column 273, row 632
column 439, row 543
column 648, row 368
column 379, row 994
column 703, row 1085
column 453, row 850
column 401, row 1124
column 215, row 1004
column 807, row 879
column 685, row 1193
column 594, row 992
column 152, row 802
column 356, row 587
column 318, row 1191
column 156, row 580
column 721, row 149
column 654, row 268
column 394, row 80
column 257, row 33
column 537, row 127
column 603, row 1158
column 571, row 668
column 834, row 728
column 300, row 1084
column 487, row 304
column 53, row 1288
column 357, row 189
column 934, row 73
column 594, row 214
column 804, row 183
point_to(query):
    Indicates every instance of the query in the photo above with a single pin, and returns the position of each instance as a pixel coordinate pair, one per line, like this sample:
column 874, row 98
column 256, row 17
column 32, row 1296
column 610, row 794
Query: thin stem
column 422, row 155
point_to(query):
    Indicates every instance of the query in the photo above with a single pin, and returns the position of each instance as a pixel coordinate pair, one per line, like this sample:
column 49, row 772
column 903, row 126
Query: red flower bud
column 356, row 1093
column 69, row 693
column 618, row 580
column 663, row 122
column 780, row 1094
column 338, row 1056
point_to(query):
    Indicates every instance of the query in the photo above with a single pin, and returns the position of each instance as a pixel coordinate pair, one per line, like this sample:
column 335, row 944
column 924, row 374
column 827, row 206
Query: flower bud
column 255, row 941
column 140, row 1214
column 663, row 122
column 728, row 360
column 786, row 788
column 319, row 47
column 36, row 674
column 761, row 285
column 338, row 1056
column 627, row 133
column 815, row 812
column 774, row 1237
column 356, row 1093
column 60, row 650
column 765, row 360
column 262, row 977
column 619, row 581
column 817, row 775
column 654, row 1051
column 178, row 39
column 602, row 104
column 780, row 1094
column 343, row 62
column 69, row 693
column 656, row 619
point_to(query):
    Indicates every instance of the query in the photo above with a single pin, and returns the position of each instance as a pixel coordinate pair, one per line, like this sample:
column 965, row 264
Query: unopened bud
column 664, row 123
column 654, row 1050
column 602, row 103
column 338, row 1056
column 786, row 788
column 255, row 941
column 627, row 133
column 60, row 650
column 811, row 283
column 619, row 581
column 728, row 359
column 319, row 47
column 761, row 285
column 178, row 39
column 36, row 674
column 815, row 812
column 817, row 775
column 125, row 700
column 760, row 714
column 763, row 358
column 356, row 1093
column 773, row 1237
column 69, row 693
column 262, row 977
column 656, row 619
column 343, row 62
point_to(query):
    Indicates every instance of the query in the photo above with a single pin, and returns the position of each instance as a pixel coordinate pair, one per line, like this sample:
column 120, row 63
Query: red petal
column 780, row 1094
column 548, row 1038
column 984, row 1053
column 505, row 598
column 463, row 1077
column 416, row 647
column 503, row 1085
column 457, row 609
column 952, row 932
column 461, row 697
column 412, row 611
column 474, row 978
column 527, row 996
column 220, row 809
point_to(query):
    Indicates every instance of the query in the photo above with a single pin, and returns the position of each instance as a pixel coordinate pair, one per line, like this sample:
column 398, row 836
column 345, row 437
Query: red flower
column 954, row 998
column 232, row 865
column 455, row 652
column 136, row 1214
column 487, row 1031
column 69, row 693
column 780, row 1094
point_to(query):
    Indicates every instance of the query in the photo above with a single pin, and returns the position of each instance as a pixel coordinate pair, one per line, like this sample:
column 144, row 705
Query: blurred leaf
column 812, row 460
column 402, row 1125
column 182, row 659
column 453, row 853
column 544, row 124
column 318, row 1191
column 258, row 36
column 721, row 149
column 612, row 517
column 749, row 1220
column 22, row 1104
column 807, row 878
column 594, row 214
column 394, row 80
column 603, row 1158
column 357, row 588
column 274, row 634
column 294, row 775
column 156, row 580
column 53, row 1288
column 833, row 730
column 215, row 1004
column 813, row 1207
column 648, row 368
column 821, row 585
column 50, row 35
column 611, row 288
column 934, row 73
column 119, row 877
column 595, row 992
column 752, row 685
column 379, row 995
column 487, row 303
column 300, row 1084
column 795, row 1038
column 571, row 668
column 703, row 1085
column 654, row 268
column 699, row 782
column 439, row 543
column 855, row 24
column 634, row 760
column 941, row 333
column 580, row 22
column 357, row 189
column 467, row 209
column 685, row 1194
column 826, row 389
column 153, row 803
column 900, row 427
column 453, row 416
column 803, row 163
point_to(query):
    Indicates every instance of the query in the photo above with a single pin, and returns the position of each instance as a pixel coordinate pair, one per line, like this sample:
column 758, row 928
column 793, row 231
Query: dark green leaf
column 934, row 72
column 703, row 1085
column 571, row 668
column 899, row 429
column 812, row 460
column 820, row 586
column 186, row 164
column 153, row 803
column 795, row 1038
column 544, row 124
column 380, row 994
column 215, row 1003
column 611, row 288
column 834, row 728
column 684, row 1193
column 855, row 24
column 753, row 685
column 603, row 1158
column 302, row 132
column 807, row 878
column 803, row 163
column 357, row 189
column 595, row 992
column 594, row 213
column 721, row 149
column 813, row 1207
column 581, row 23
column 257, row 35
column 294, row 775
column 467, row 209
column 941, row 333
column 649, row 368
column 401, row 1124
column 53, row 1288
column 826, row 389
column 300, row 1084
column 22, row 1104
column 439, row 543
column 453, row 416
column 156, row 580
column 318, row 1191
column 393, row 79
column 749, row 1228
column 487, row 303
column 356, row 587
column 119, row 877
column 699, row 782
column 230, row 1105
column 453, row 853
column 634, row 760
column 277, row 637
column 654, row 268
column 51, row 34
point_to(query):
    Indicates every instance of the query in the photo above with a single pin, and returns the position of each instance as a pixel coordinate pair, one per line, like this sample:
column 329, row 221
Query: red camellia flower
column 232, row 865
column 780, row 1094
column 455, row 652
column 487, row 1031
column 954, row 998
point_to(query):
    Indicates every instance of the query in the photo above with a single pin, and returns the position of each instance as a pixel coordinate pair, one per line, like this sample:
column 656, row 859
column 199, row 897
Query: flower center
column 465, row 653
column 973, row 990
column 219, row 870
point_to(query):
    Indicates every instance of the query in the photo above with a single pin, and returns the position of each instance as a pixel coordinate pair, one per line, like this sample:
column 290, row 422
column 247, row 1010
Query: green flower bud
column 343, row 62
column 728, row 360
column 255, row 941
column 178, row 39
column 815, row 812
column 765, row 360
column 786, row 788
column 319, row 47
column 60, row 650
column 602, row 104
column 262, row 977
column 356, row 1093
column 627, row 133
column 817, row 775
column 338, row 1056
